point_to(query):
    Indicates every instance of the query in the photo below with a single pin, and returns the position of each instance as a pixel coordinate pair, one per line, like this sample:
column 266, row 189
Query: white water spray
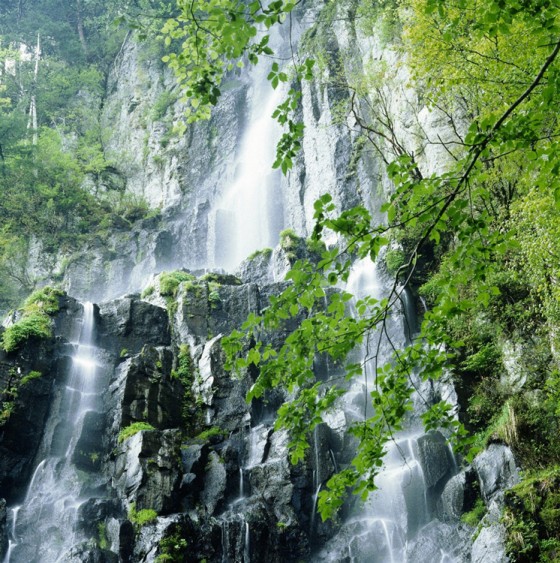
column 43, row 527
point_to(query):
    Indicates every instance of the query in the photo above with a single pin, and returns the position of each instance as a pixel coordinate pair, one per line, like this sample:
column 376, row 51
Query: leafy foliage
column 217, row 36
column 51, row 139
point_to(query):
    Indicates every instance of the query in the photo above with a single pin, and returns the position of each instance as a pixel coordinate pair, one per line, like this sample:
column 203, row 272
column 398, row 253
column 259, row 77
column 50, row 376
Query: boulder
column 489, row 545
column 458, row 496
column 128, row 324
column 496, row 470
column 147, row 472
column 435, row 457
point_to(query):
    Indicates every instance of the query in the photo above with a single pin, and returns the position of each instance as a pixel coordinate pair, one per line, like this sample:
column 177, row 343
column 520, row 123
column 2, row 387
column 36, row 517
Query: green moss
column 289, row 243
column 29, row 377
column 141, row 517
column 133, row 429
column 102, row 541
column 264, row 252
column 190, row 408
column 206, row 435
column 148, row 291
column 394, row 259
column 169, row 282
column 35, row 321
column 288, row 239
column 33, row 325
column 474, row 516
column 45, row 300
column 214, row 294
column 315, row 246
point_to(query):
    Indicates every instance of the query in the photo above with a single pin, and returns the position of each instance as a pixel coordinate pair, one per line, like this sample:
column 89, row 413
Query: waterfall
column 247, row 215
column 43, row 528
column 382, row 529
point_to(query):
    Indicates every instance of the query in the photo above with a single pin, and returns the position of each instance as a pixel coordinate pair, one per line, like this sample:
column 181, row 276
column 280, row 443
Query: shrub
column 35, row 321
column 133, row 429
column 169, row 282
column 141, row 517
column 32, row 325
column 173, row 548
column 45, row 299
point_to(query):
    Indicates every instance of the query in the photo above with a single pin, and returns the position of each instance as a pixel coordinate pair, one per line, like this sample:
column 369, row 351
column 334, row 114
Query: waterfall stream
column 396, row 514
column 248, row 215
column 43, row 527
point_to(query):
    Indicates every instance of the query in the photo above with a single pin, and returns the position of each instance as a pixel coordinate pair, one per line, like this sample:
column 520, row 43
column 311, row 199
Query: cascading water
column 248, row 215
column 382, row 529
column 43, row 526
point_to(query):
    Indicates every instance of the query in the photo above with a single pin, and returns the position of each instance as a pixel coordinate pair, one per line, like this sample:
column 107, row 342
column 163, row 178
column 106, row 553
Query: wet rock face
column 435, row 457
column 147, row 472
column 144, row 391
column 85, row 553
column 458, row 496
column 496, row 470
column 489, row 545
column 21, row 435
column 128, row 324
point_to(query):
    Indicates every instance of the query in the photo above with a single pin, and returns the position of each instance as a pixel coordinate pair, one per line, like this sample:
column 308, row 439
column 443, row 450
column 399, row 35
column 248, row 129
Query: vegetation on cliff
column 60, row 182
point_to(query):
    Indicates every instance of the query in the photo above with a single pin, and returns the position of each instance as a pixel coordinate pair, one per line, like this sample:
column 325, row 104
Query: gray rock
column 89, row 448
column 146, row 470
column 144, row 391
column 458, row 496
column 129, row 324
column 96, row 511
column 489, row 545
column 88, row 552
column 214, row 483
column 434, row 457
column 439, row 542
column 496, row 470
column 257, row 269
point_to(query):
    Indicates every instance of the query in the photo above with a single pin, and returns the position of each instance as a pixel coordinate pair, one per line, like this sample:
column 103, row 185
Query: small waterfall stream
column 248, row 214
column 43, row 527
column 382, row 529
